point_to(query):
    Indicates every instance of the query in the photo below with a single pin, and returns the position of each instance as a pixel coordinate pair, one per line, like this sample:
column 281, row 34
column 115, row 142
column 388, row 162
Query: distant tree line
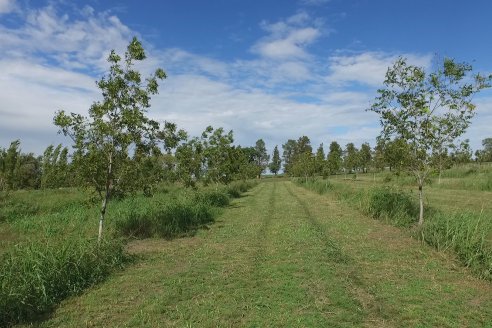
column 213, row 158
column 301, row 161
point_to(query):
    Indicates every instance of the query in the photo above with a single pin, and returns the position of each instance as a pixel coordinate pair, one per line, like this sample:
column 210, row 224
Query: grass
column 283, row 256
column 49, row 253
column 35, row 277
column 465, row 232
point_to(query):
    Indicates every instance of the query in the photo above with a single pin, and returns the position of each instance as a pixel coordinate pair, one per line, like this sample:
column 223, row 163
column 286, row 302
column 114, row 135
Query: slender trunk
column 101, row 217
column 440, row 173
column 106, row 197
column 421, row 203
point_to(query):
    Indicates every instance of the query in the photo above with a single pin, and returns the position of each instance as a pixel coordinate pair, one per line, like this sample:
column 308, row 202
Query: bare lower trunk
column 440, row 173
column 421, row 203
column 109, row 182
column 101, row 217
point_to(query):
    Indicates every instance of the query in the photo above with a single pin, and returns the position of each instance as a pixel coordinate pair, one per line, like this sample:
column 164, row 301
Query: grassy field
column 284, row 256
column 49, row 251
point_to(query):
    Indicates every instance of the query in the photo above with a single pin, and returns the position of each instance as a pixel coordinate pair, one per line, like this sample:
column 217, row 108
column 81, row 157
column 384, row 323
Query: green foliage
column 55, row 168
column 351, row 159
column 276, row 163
column 428, row 111
column 37, row 276
column 214, row 197
column 115, row 124
column 334, row 158
column 218, row 155
column 314, row 184
column 182, row 214
column 392, row 205
column 18, row 170
column 169, row 219
column 261, row 157
column 466, row 234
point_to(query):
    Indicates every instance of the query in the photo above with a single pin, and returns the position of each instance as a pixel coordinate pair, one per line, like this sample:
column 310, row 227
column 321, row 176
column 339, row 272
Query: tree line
column 300, row 160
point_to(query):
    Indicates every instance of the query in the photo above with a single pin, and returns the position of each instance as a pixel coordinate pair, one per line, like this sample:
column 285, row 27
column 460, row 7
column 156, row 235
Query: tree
column 379, row 158
column 365, row 156
column 217, row 152
column 462, row 153
column 334, row 158
column 261, row 157
column 276, row 162
column 115, row 124
column 289, row 151
column 189, row 157
column 396, row 154
column 319, row 160
column 304, row 165
column 487, row 149
column 427, row 111
column 351, row 159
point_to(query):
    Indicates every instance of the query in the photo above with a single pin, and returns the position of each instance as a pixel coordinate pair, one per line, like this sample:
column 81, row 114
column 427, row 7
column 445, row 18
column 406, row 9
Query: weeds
column 36, row 276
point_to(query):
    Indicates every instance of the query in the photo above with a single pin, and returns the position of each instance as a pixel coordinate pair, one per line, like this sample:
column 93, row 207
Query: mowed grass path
column 283, row 256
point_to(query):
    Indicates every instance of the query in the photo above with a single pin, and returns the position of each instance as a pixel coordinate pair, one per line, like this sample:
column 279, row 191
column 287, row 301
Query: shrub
column 171, row 218
column 218, row 198
column 393, row 205
column 37, row 276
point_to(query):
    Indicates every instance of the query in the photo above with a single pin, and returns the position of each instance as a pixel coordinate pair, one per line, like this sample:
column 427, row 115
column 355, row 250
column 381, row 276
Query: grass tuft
column 36, row 276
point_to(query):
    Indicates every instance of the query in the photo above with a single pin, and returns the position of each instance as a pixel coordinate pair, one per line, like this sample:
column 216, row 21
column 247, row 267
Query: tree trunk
column 101, row 217
column 421, row 203
column 106, row 197
column 440, row 172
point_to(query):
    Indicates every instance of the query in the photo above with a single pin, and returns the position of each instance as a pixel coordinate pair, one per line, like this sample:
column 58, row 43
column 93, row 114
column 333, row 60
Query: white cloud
column 74, row 42
column 368, row 68
column 288, row 39
column 7, row 6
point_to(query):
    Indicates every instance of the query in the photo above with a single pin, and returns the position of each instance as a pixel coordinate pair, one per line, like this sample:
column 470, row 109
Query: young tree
column 304, row 165
column 289, row 151
column 379, row 158
column 276, row 161
column 319, row 160
column 189, row 157
column 487, row 150
column 396, row 154
column 351, row 159
column 115, row 124
column 261, row 157
column 365, row 156
column 462, row 154
column 217, row 152
column 427, row 111
column 334, row 158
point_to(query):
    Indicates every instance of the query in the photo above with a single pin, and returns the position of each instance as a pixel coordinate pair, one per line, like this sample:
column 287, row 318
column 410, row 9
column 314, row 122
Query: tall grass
column 175, row 216
column 315, row 184
column 468, row 235
column 36, row 276
column 165, row 219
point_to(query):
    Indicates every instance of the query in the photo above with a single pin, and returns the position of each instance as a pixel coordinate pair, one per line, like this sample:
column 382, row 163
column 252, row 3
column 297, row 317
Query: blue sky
column 265, row 69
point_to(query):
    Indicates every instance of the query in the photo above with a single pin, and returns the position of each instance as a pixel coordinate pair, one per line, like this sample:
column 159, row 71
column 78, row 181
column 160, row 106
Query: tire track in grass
column 414, row 285
column 347, row 268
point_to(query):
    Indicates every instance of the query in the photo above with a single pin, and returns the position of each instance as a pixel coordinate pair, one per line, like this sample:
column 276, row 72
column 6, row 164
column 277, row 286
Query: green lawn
column 283, row 256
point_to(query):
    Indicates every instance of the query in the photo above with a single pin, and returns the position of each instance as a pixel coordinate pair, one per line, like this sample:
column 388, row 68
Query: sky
column 266, row 69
